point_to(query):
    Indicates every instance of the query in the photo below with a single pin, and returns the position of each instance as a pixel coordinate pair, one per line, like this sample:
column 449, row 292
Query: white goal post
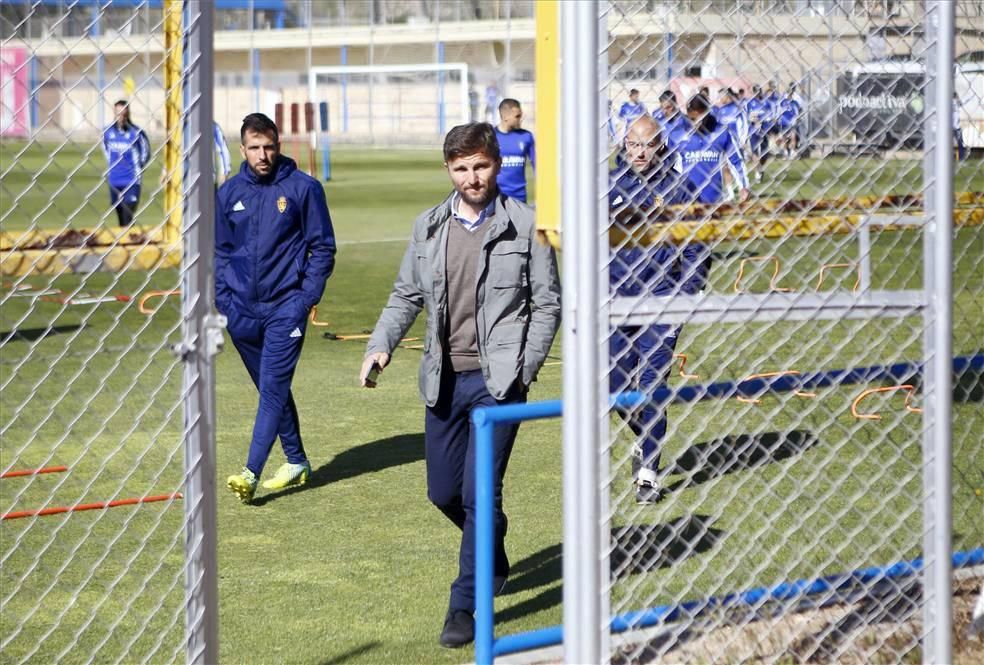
column 393, row 99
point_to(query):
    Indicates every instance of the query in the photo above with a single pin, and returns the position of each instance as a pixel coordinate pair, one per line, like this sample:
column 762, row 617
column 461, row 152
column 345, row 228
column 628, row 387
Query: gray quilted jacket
column 517, row 291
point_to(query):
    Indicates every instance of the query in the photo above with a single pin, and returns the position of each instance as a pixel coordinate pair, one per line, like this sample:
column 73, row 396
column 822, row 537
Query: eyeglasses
column 638, row 145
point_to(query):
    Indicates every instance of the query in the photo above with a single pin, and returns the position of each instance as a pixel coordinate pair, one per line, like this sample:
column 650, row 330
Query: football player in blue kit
column 759, row 113
column 703, row 152
column 516, row 147
column 127, row 151
column 668, row 115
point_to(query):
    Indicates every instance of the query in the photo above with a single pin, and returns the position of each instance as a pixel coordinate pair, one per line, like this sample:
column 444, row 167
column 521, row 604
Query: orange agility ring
column 765, row 375
column 908, row 388
column 829, row 266
column 776, row 265
column 142, row 303
column 313, row 318
column 683, row 365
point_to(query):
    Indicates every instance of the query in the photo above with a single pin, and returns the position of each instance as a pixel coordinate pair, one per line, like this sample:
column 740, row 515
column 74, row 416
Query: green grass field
column 355, row 566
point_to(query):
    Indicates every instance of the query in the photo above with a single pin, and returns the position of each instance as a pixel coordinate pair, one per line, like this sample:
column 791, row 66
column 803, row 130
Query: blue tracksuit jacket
column 640, row 356
column 660, row 269
column 515, row 147
column 127, row 153
column 273, row 239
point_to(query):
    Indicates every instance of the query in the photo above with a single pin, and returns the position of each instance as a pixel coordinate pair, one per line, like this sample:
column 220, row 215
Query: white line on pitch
column 370, row 242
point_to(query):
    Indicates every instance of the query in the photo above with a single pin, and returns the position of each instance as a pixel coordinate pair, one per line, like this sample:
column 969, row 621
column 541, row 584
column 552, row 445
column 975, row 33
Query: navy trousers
column 270, row 346
column 449, row 443
column 641, row 358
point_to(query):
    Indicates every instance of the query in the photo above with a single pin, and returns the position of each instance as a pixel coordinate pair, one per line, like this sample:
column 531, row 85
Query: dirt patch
column 882, row 628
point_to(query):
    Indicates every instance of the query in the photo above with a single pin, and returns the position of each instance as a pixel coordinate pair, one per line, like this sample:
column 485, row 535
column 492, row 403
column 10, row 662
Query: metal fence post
column 937, row 334
column 202, row 335
column 579, row 130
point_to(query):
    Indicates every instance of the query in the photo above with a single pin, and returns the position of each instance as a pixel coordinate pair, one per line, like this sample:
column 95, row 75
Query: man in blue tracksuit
column 274, row 249
column 759, row 113
column 127, row 151
column 703, row 152
column 643, row 182
column 516, row 146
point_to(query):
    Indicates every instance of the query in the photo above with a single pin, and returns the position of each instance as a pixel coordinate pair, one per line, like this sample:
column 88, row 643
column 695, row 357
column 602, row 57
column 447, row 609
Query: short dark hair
column 633, row 91
column 465, row 140
column 258, row 124
column 667, row 96
column 699, row 103
column 121, row 102
column 509, row 103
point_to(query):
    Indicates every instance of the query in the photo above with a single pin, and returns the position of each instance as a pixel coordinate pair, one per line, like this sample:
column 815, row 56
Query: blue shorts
column 128, row 195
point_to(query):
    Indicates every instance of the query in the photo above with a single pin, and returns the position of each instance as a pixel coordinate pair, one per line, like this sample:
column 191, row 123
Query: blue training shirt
column 789, row 112
column 671, row 126
column 759, row 112
column 629, row 111
column 127, row 152
column 703, row 152
column 515, row 147
column 733, row 116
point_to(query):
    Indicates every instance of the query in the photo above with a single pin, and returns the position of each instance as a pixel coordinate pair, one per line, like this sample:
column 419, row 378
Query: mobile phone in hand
column 373, row 376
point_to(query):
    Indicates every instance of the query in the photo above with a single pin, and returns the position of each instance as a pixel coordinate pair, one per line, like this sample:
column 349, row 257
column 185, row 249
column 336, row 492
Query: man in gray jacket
column 492, row 296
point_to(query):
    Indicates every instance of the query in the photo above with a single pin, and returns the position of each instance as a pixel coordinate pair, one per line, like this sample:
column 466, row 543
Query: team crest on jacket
column 658, row 201
column 282, row 204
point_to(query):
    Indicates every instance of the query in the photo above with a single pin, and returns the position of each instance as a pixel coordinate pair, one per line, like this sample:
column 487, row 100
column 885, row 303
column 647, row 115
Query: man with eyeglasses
column 643, row 183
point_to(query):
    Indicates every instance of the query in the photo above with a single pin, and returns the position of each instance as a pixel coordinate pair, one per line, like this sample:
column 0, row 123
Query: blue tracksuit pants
column 641, row 358
column 449, row 444
column 125, row 200
column 270, row 346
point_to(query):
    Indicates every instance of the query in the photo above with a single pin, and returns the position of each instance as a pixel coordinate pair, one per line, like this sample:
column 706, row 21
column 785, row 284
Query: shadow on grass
column 636, row 548
column 712, row 459
column 968, row 386
column 34, row 334
column 351, row 653
column 366, row 458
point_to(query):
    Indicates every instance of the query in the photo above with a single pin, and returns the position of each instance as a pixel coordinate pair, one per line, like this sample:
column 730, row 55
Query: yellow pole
column 172, row 118
column 548, row 118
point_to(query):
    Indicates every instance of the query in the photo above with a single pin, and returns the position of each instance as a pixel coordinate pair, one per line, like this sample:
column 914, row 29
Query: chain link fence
column 107, row 492
column 795, row 347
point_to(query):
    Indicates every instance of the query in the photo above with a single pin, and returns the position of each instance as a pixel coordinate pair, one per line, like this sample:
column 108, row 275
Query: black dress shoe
column 459, row 629
column 499, row 585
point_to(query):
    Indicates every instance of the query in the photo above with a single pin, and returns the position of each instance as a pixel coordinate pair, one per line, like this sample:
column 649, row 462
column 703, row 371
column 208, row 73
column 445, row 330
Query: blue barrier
column 554, row 635
column 486, row 418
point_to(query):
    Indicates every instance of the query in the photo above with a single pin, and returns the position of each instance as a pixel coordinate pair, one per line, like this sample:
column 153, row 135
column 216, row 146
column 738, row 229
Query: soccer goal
column 395, row 103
